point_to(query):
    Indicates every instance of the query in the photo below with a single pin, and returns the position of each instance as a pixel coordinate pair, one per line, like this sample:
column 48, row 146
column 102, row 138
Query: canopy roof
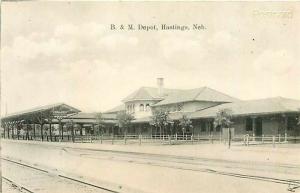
column 82, row 115
column 91, row 118
column 55, row 108
column 253, row 107
column 116, row 109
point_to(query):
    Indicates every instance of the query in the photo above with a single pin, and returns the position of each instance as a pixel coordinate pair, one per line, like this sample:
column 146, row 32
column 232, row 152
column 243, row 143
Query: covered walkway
column 41, row 123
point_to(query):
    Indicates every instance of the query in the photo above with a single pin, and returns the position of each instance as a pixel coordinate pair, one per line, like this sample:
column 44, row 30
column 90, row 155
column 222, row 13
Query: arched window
column 128, row 108
column 141, row 107
column 147, row 107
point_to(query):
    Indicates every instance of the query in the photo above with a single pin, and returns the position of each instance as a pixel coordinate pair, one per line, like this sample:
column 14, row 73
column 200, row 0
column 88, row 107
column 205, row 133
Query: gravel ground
column 150, row 178
column 282, row 154
column 9, row 188
column 40, row 182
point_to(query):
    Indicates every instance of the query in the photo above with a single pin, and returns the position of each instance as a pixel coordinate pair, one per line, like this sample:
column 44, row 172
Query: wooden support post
column 285, row 127
column 262, row 139
column 18, row 132
column 279, row 137
column 253, row 127
column 140, row 138
column 8, row 131
column 12, row 131
column 169, row 137
column 285, row 137
column 273, row 140
column 27, row 131
column 247, row 139
column 72, row 132
column 34, row 131
column 81, row 129
column 61, row 129
column 42, row 136
column 4, row 127
column 50, row 131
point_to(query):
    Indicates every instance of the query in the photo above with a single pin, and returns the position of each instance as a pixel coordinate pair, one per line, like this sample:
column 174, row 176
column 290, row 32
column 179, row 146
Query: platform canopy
column 48, row 113
column 91, row 118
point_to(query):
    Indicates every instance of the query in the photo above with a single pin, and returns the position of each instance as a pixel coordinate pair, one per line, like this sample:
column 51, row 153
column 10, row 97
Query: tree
column 223, row 120
column 124, row 121
column 70, row 127
column 160, row 119
column 49, row 118
column 185, row 123
column 99, row 122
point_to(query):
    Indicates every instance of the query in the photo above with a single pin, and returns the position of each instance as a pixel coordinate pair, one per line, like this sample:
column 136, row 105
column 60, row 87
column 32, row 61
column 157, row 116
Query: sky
column 66, row 52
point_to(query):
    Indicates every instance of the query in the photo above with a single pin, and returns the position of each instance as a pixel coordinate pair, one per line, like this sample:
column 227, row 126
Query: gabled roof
column 116, row 109
column 253, row 107
column 148, row 93
column 43, row 109
column 198, row 94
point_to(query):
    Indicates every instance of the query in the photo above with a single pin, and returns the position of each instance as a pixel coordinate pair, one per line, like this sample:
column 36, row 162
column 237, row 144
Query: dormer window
column 141, row 107
column 147, row 107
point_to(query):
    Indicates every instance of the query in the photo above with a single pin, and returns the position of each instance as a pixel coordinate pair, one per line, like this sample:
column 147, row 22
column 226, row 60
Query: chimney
column 160, row 86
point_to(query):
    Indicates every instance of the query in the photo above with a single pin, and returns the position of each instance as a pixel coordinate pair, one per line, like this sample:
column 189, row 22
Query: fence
column 245, row 140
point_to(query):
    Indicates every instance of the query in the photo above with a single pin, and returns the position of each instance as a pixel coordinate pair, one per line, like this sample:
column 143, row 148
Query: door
column 258, row 124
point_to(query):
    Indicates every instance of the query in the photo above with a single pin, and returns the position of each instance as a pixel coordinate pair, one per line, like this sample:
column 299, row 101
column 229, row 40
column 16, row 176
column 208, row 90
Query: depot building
column 268, row 116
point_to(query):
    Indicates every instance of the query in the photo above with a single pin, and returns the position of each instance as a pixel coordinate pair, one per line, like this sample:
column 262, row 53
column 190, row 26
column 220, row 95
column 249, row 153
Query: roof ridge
column 223, row 93
column 202, row 89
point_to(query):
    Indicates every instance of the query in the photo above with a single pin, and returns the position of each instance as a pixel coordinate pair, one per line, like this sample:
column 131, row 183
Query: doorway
column 258, row 128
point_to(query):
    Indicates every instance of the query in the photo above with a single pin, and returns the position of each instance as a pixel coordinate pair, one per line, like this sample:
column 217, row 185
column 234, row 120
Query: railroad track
column 291, row 183
column 17, row 186
column 177, row 157
column 71, row 180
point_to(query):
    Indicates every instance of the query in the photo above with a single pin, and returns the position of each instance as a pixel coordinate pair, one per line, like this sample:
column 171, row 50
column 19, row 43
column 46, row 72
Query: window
column 248, row 124
column 179, row 106
column 174, row 108
column 141, row 107
column 291, row 123
column 147, row 107
column 211, row 126
column 203, row 126
column 218, row 128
